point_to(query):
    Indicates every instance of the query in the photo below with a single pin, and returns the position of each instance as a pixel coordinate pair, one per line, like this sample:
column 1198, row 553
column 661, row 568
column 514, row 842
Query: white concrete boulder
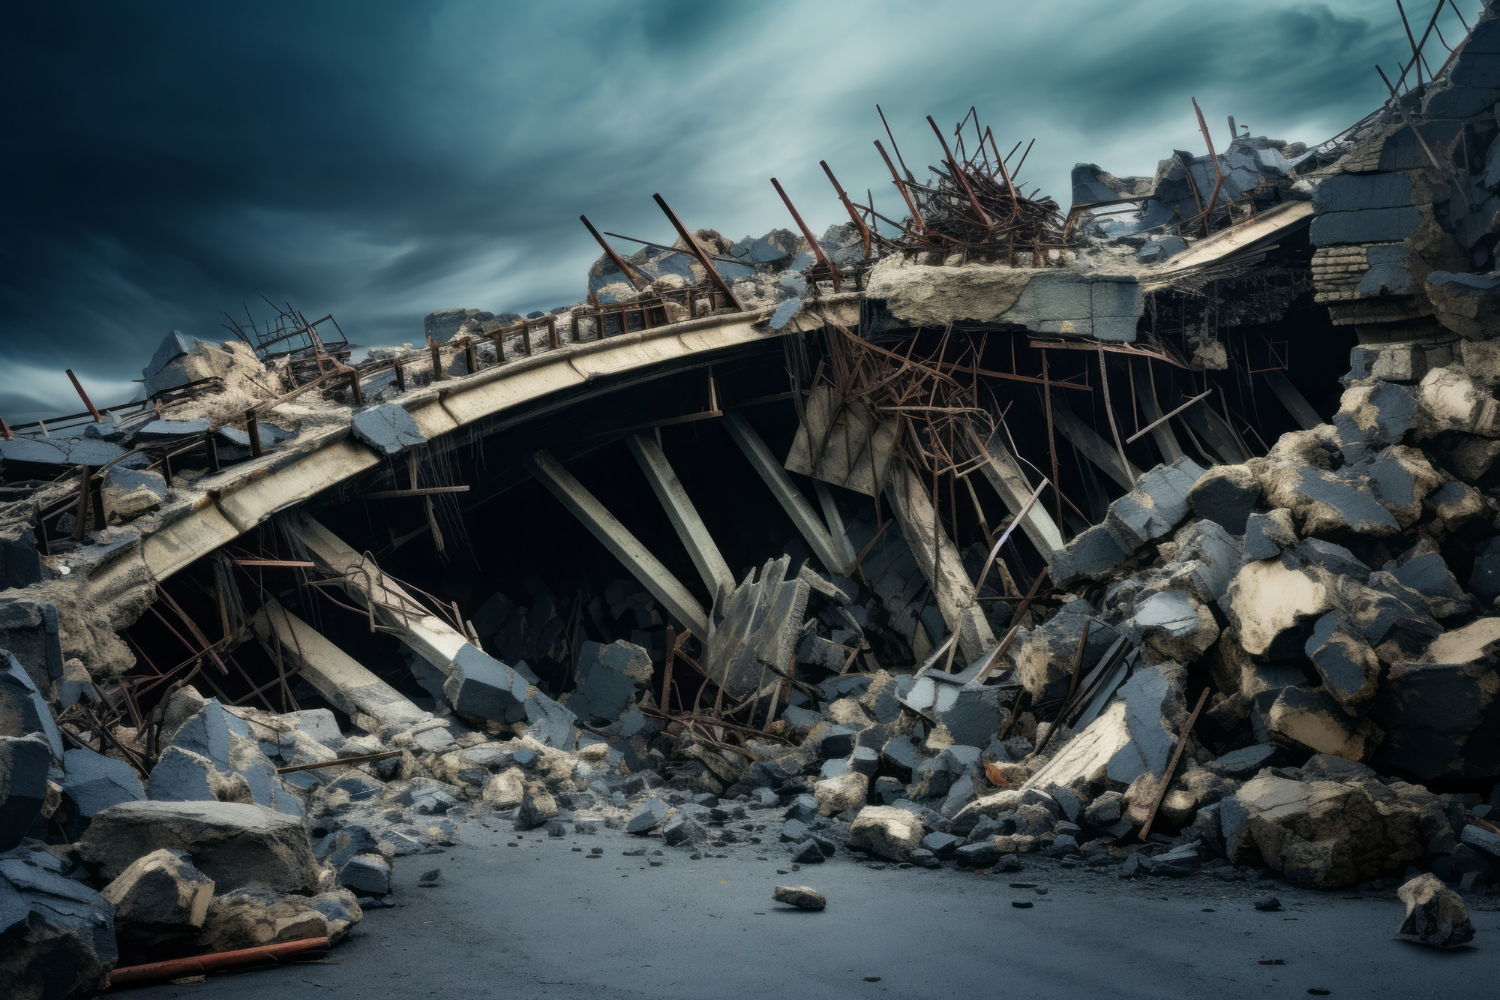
column 886, row 832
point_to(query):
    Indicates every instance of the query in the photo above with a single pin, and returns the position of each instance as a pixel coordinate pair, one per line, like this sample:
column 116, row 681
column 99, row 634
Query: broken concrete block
column 24, row 762
column 610, row 678
column 1334, row 558
column 1314, row 720
column 840, row 794
column 1273, row 608
column 1191, row 791
column 975, row 714
column 184, row 776
column 482, row 686
column 1326, row 502
column 1246, row 761
column 1268, row 534
column 1206, row 560
column 536, row 807
column 23, row 710
column 29, row 630
column 837, row 742
column 92, row 782
column 232, row 843
column 505, row 790
column 1451, row 401
column 159, row 898
column 647, row 816
column 886, row 831
column 1435, row 914
column 1157, row 505
column 387, row 428
column 1134, row 735
column 58, row 934
column 800, row 896
column 1105, row 810
column 249, row 918
column 1429, row 576
column 20, row 560
column 1226, row 495
column 1046, row 655
column 680, row 828
column 1327, row 833
column 1441, row 712
column 1485, row 578
column 1375, row 415
column 1173, row 625
column 366, row 874
column 129, row 493
column 1455, row 504
column 1349, row 667
column 1093, row 553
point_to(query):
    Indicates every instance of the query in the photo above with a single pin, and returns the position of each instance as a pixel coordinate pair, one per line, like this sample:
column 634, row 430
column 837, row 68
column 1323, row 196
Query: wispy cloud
column 383, row 159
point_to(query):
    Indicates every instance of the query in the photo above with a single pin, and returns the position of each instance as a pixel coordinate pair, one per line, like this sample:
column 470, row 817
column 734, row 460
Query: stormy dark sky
column 379, row 160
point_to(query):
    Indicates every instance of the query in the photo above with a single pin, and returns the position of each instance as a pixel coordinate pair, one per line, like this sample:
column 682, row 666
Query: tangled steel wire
column 974, row 207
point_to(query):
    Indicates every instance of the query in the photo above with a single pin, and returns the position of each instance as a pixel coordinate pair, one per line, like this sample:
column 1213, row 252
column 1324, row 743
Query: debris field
column 1158, row 538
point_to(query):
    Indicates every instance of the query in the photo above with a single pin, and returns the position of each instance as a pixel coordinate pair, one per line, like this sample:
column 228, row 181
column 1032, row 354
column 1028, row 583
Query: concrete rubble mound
column 1157, row 539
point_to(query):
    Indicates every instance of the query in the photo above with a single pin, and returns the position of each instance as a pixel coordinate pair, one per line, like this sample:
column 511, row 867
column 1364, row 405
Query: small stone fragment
column 799, row 896
column 1435, row 914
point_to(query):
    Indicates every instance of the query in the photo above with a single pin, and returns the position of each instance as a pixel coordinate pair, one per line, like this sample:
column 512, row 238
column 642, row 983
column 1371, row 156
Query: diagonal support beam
column 814, row 532
column 940, row 562
column 681, row 512
column 1010, row 482
column 1296, row 404
column 1094, row 448
column 614, row 536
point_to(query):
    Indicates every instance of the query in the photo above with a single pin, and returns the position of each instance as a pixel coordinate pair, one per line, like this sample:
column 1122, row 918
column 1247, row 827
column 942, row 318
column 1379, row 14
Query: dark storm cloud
column 383, row 159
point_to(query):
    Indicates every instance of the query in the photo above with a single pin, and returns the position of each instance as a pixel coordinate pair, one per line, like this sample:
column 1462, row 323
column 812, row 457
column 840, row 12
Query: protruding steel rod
column 864, row 231
column 1214, row 159
column 961, row 176
column 911, row 205
column 634, row 277
column 811, row 240
column 714, row 276
column 98, row 417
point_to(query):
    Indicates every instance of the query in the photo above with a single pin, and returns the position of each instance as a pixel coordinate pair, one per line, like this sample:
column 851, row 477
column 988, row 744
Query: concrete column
column 814, row 532
column 940, row 562
column 681, row 512
column 646, row 568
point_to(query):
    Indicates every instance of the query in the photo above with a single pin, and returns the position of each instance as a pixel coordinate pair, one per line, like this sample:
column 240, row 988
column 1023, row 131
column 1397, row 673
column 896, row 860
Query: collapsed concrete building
column 1159, row 537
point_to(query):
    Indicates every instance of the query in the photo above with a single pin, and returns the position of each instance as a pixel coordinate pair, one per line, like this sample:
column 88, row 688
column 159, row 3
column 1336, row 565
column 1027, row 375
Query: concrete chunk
column 1226, row 495
column 1273, row 607
column 160, row 897
column 886, row 831
column 58, row 934
column 1435, row 914
column 92, row 782
column 232, row 843
column 24, row 762
column 23, row 710
column 1314, row 720
column 387, row 428
column 1349, row 667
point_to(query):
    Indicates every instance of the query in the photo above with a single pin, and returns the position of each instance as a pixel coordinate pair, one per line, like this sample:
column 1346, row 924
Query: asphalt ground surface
column 544, row 920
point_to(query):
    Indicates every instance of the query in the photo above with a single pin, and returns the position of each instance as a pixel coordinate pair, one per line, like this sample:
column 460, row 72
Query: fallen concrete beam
column 1010, row 482
column 1093, row 447
column 431, row 638
column 646, row 568
column 814, row 532
column 475, row 683
column 681, row 512
column 374, row 705
column 761, row 620
column 940, row 562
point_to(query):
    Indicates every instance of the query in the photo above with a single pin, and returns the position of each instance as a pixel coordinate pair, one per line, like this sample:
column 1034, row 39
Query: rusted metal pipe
column 911, row 205
column 199, row 965
column 714, row 277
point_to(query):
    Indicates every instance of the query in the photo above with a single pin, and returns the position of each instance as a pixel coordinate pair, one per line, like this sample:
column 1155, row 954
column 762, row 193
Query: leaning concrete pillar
column 646, row 568
column 814, row 532
column 940, row 562
column 681, row 512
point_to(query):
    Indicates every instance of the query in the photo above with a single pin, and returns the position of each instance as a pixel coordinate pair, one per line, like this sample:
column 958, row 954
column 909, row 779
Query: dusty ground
column 541, row 920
